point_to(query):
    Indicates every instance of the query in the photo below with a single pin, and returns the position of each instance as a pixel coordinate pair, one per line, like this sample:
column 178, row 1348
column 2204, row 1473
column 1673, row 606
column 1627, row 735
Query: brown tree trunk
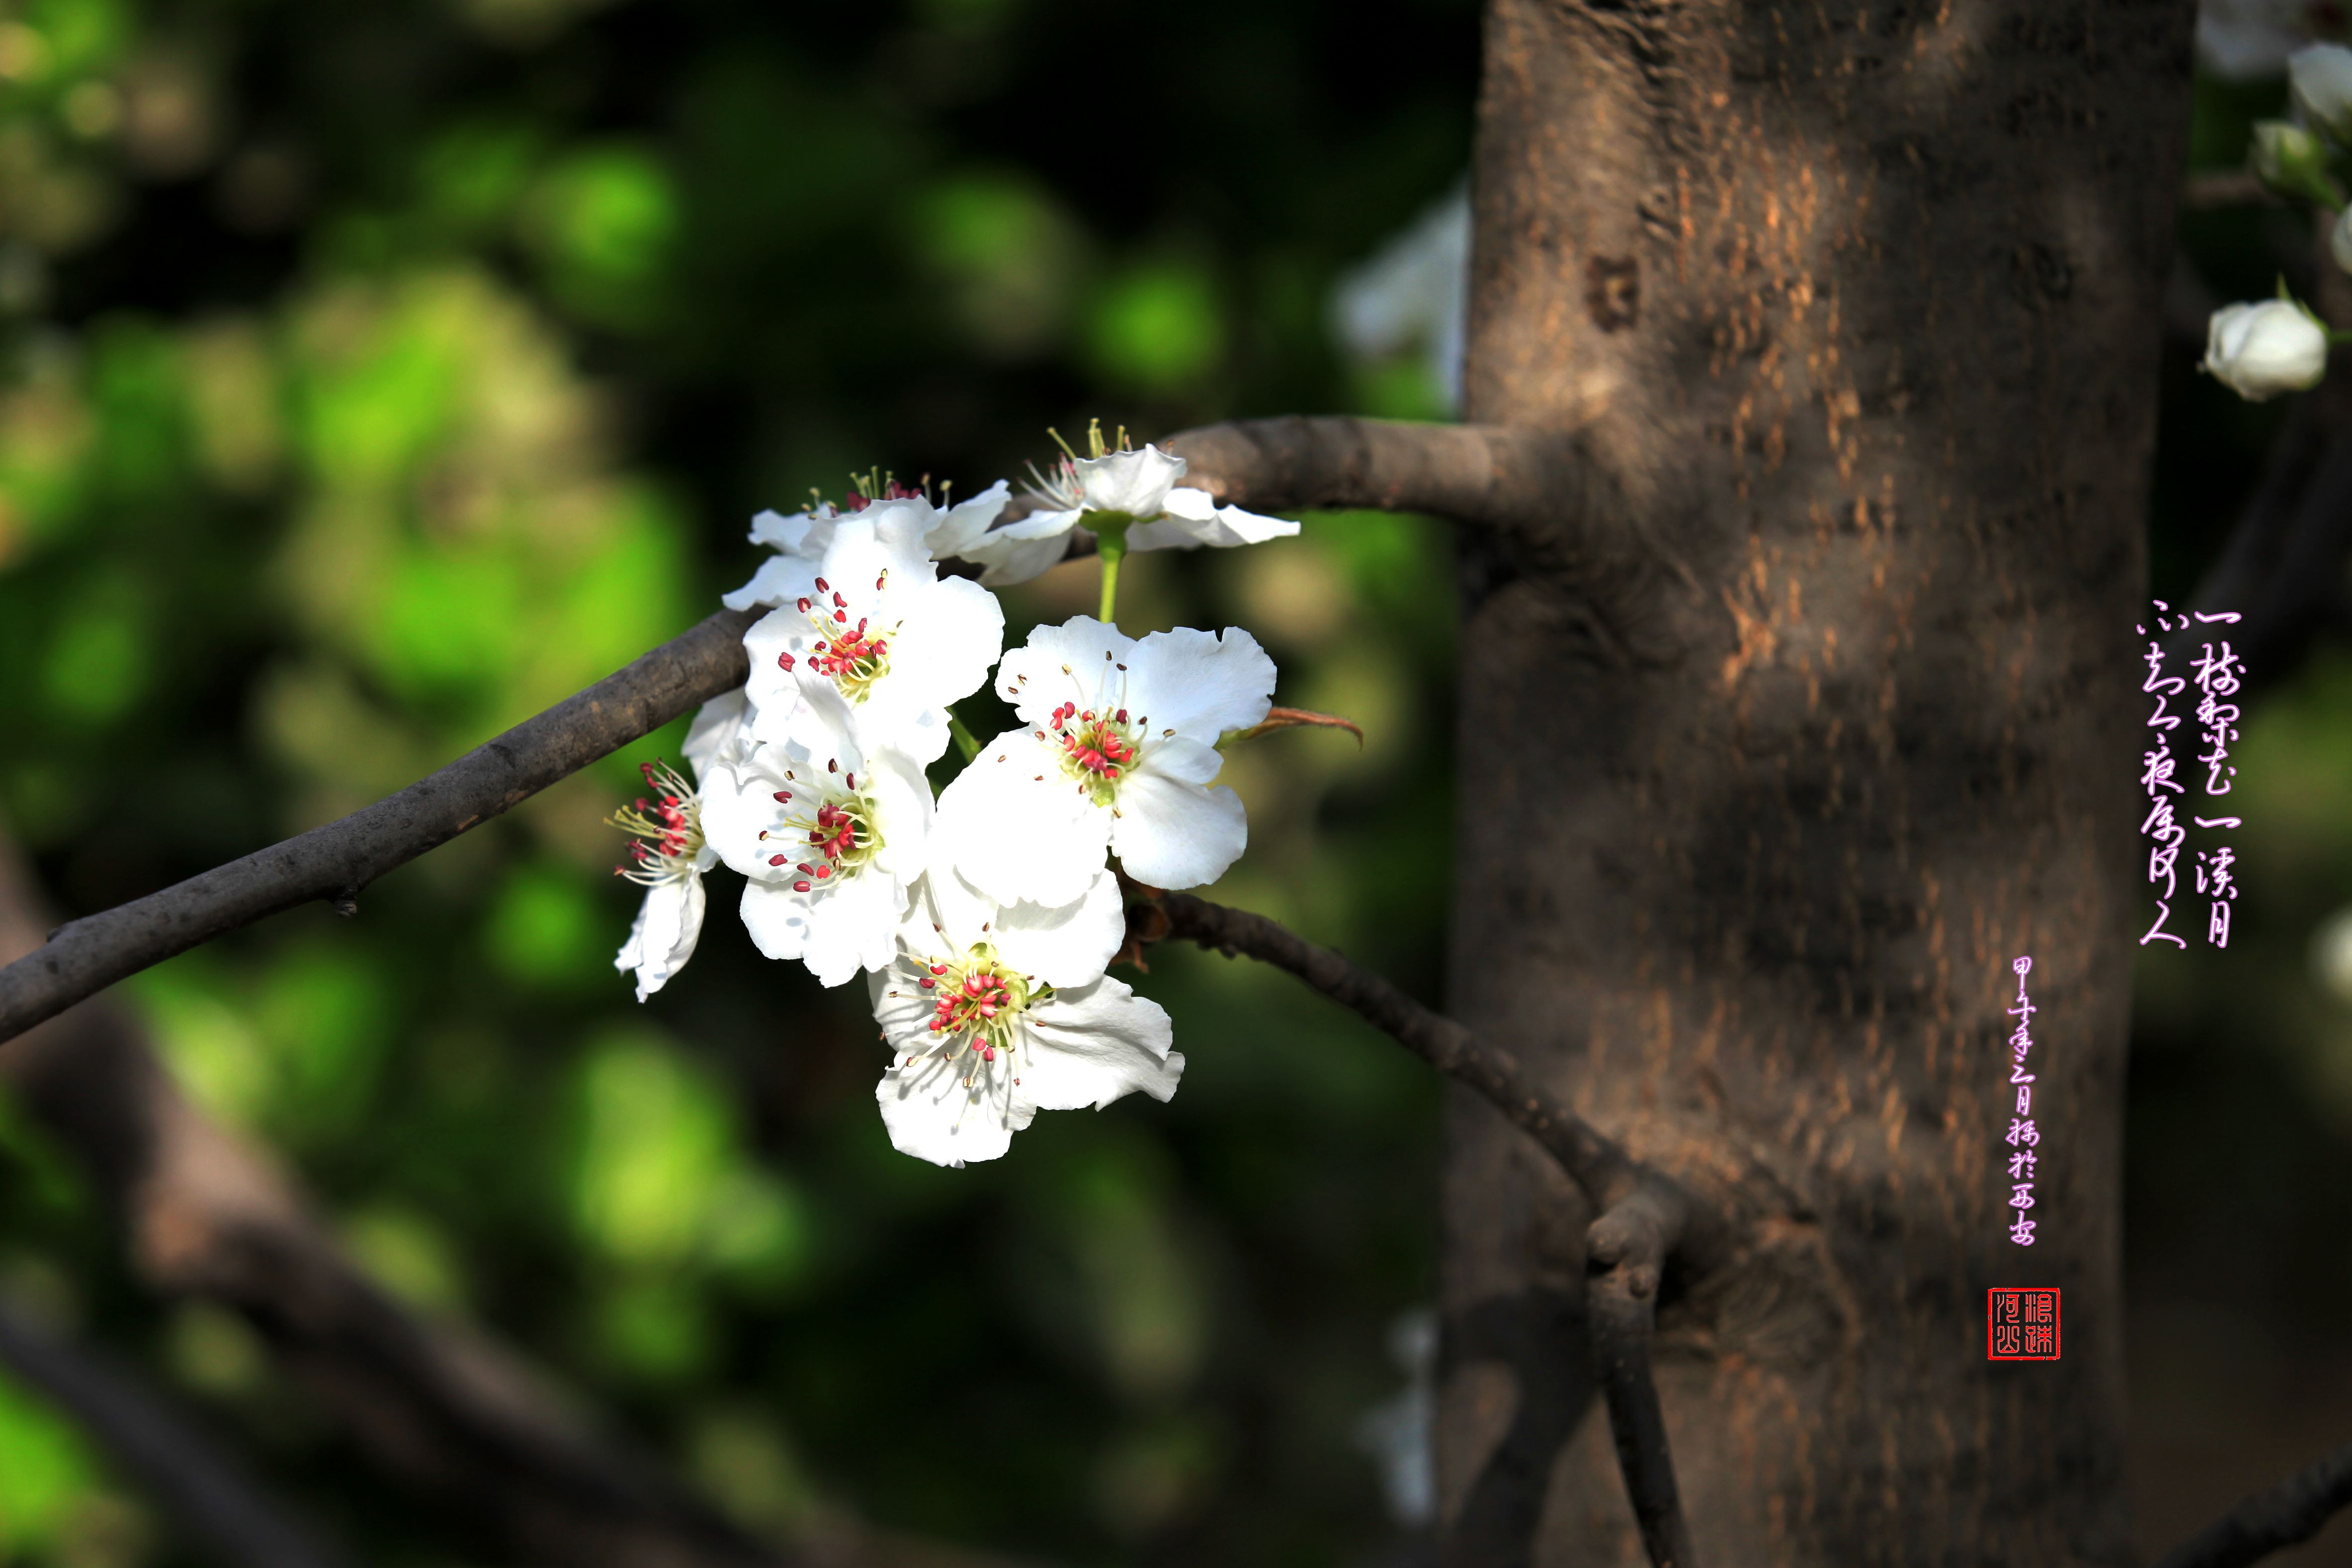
column 1858, row 307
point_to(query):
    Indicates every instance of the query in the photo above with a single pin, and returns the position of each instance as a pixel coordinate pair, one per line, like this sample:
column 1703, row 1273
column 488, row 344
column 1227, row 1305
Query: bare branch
column 1530, row 486
column 185, row 1473
column 1592, row 1161
column 1625, row 1253
column 2291, row 1511
column 1645, row 1217
column 336, row 861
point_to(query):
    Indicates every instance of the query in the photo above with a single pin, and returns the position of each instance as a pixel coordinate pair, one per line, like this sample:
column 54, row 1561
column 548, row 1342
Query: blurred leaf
column 655, row 1141
column 546, row 929
column 604, row 221
column 45, row 1469
column 1157, row 327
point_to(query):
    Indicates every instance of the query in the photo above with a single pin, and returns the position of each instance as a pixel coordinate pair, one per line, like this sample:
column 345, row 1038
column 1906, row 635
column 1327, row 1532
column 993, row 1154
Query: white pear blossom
column 2319, row 81
column 2339, row 239
column 993, row 1014
column 832, row 837
column 671, row 853
column 1135, row 490
column 2263, row 349
column 804, row 536
column 1118, row 751
column 871, row 619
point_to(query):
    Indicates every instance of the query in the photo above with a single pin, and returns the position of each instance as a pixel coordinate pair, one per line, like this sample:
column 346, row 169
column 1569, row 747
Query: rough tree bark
column 1855, row 309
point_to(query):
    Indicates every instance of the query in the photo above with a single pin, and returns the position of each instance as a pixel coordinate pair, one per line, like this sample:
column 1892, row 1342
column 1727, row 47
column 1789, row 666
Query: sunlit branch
column 336, row 861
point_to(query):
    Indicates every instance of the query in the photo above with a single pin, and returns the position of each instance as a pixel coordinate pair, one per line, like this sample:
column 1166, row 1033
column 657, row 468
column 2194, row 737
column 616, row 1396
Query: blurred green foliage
column 373, row 375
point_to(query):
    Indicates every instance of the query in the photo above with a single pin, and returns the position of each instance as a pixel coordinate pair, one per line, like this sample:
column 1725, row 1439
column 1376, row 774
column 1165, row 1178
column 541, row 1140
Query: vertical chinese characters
column 2219, row 676
column 2024, row 1137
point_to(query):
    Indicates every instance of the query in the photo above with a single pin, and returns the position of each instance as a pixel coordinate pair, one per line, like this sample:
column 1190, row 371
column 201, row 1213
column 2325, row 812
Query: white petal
column 781, row 580
column 1169, row 834
column 739, row 807
column 801, row 534
column 1019, row 562
column 1187, row 523
column 1189, row 503
column 943, row 649
column 718, row 732
column 773, row 691
column 964, row 523
column 1063, row 663
column 1017, row 829
column 663, row 936
column 1136, row 483
column 1037, row 525
column 835, row 929
column 1199, row 685
column 1068, row 944
column 1095, row 1043
column 903, row 811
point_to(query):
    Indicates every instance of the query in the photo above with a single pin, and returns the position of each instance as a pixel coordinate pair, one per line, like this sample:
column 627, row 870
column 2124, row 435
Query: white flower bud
column 2261, row 350
column 2319, row 77
column 2339, row 240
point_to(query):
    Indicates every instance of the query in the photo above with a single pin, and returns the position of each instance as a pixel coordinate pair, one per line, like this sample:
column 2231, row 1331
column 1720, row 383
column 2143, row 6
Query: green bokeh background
column 374, row 373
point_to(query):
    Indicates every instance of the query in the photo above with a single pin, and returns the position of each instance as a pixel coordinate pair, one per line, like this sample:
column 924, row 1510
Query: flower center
column 830, row 827
column 1098, row 749
column 975, row 1001
column 851, row 658
column 667, row 829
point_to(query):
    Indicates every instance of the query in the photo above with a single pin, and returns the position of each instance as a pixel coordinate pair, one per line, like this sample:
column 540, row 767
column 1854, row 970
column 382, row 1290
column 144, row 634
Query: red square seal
column 2021, row 1322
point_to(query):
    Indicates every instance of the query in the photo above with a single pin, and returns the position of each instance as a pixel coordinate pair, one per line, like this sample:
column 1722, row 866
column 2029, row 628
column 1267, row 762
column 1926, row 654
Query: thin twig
column 187, row 1473
column 1644, row 1216
column 2294, row 1511
column 336, row 861
column 1592, row 1159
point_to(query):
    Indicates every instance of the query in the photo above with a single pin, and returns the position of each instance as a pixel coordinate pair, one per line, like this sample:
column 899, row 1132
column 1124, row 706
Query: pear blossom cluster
column 2261, row 349
column 982, row 917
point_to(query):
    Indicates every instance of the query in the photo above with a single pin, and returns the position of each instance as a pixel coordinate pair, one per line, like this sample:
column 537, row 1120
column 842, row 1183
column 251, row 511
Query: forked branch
column 336, row 861
column 1644, row 1216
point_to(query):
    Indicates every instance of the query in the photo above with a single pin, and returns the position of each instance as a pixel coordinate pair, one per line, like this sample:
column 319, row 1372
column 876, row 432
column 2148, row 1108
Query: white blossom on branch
column 1116, row 752
column 872, row 620
column 671, row 853
column 994, row 1012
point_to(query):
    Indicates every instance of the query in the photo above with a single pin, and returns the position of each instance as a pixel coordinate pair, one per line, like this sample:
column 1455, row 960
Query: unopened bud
column 2261, row 350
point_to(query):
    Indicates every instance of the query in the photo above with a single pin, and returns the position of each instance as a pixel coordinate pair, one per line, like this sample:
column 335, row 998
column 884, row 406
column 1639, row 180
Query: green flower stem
column 966, row 741
column 1111, row 543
